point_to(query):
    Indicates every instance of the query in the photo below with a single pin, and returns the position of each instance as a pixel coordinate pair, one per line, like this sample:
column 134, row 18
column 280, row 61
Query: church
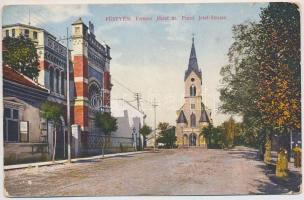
column 193, row 116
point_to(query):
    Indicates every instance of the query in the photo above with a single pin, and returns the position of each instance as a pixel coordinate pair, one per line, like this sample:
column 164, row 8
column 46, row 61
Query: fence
column 111, row 144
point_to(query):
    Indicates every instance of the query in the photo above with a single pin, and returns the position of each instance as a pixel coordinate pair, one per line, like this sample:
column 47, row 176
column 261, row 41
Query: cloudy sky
column 150, row 57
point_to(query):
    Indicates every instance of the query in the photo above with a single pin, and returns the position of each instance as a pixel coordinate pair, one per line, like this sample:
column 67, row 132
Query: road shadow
column 289, row 185
column 275, row 185
column 248, row 154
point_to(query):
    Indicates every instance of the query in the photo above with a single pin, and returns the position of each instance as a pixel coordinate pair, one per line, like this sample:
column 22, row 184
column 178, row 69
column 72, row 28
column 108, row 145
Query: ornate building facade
column 90, row 84
column 192, row 116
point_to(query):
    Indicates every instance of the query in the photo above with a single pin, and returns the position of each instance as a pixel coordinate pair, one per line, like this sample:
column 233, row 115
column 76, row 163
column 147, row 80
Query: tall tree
column 107, row 125
column 167, row 136
column 21, row 55
column 262, row 80
column 279, row 83
column 53, row 112
column 145, row 130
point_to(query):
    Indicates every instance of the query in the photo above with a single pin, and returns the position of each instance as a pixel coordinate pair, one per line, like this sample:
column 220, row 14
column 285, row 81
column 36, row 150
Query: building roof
column 16, row 77
column 78, row 21
column 182, row 118
column 204, row 116
column 23, row 25
column 192, row 65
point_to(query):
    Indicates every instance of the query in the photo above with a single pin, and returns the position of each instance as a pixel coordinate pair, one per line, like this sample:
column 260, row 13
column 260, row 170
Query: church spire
column 193, row 60
column 192, row 65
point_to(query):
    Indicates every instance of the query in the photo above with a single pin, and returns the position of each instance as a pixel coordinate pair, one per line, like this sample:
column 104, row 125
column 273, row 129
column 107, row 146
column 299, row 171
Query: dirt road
column 167, row 172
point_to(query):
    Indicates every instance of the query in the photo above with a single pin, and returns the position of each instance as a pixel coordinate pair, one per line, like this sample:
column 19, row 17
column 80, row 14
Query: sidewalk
column 48, row 163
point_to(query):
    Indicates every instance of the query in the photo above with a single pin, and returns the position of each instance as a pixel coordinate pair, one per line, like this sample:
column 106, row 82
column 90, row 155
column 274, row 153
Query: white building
column 129, row 121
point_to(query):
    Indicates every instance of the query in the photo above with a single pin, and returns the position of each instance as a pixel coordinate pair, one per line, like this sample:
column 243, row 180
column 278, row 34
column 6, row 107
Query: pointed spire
column 193, row 65
column 193, row 60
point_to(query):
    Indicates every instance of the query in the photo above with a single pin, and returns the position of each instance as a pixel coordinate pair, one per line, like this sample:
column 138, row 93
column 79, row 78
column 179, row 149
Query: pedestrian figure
column 297, row 156
column 282, row 164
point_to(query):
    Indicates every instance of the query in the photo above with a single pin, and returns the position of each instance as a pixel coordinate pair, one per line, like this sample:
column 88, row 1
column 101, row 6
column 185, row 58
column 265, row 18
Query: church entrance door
column 192, row 139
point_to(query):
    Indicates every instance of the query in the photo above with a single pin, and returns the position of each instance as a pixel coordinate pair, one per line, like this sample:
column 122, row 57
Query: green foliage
column 213, row 136
column 52, row 111
column 166, row 135
column 21, row 55
column 105, row 122
column 145, row 130
column 229, row 132
column 163, row 126
column 262, row 80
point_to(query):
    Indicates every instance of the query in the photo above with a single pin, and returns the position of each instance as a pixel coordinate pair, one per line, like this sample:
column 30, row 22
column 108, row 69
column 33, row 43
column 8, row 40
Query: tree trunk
column 55, row 142
column 103, row 146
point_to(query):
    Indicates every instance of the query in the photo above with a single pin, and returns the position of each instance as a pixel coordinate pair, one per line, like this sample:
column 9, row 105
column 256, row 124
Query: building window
column 35, row 35
column 57, row 81
column 193, row 120
column 192, row 106
column 51, row 79
column 6, row 33
column 62, row 83
column 11, row 125
column 13, row 32
column 26, row 32
column 192, row 91
column 95, row 96
column 77, row 30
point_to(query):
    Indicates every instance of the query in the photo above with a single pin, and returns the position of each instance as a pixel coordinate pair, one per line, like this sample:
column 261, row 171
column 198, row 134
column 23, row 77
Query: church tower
column 192, row 116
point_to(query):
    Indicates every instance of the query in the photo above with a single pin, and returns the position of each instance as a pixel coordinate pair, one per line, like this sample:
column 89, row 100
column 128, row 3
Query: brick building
column 90, row 85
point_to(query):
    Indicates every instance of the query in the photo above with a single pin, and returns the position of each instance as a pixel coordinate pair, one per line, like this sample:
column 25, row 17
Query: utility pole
column 68, row 98
column 29, row 17
column 154, row 106
column 137, row 97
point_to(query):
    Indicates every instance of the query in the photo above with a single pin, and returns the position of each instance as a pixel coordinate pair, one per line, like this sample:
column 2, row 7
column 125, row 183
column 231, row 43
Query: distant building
column 193, row 116
column 129, row 122
column 90, row 83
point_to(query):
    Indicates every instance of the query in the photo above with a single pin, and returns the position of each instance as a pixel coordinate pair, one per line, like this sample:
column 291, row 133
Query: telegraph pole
column 154, row 106
column 137, row 97
column 68, row 98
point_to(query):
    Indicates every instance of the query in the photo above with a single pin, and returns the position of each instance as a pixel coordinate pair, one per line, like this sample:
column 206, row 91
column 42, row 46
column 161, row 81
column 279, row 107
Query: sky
column 150, row 57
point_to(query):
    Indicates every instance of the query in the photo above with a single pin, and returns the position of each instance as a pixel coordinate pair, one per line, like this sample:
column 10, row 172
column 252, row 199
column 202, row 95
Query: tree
column 21, row 55
column 262, row 80
column 279, row 83
column 53, row 112
column 213, row 135
column 229, row 132
column 167, row 136
column 145, row 130
column 107, row 124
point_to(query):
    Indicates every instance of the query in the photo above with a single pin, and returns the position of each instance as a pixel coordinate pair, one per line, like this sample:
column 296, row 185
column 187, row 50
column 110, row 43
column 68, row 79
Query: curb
column 74, row 160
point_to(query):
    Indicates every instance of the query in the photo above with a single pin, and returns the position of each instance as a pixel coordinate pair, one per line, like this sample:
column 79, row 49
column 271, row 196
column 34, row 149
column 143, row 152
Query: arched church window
column 192, row 91
column 51, row 79
column 95, row 96
column 193, row 120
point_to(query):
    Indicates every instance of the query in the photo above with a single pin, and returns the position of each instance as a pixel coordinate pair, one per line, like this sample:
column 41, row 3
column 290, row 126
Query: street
column 192, row 171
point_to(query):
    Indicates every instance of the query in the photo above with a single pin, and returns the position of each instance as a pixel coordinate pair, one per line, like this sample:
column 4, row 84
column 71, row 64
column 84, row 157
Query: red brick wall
column 81, row 115
column 80, row 66
column 81, row 90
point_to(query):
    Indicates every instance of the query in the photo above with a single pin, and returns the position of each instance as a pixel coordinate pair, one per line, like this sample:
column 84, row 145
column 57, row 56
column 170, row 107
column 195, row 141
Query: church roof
column 182, row 118
column 192, row 65
column 204, row 116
